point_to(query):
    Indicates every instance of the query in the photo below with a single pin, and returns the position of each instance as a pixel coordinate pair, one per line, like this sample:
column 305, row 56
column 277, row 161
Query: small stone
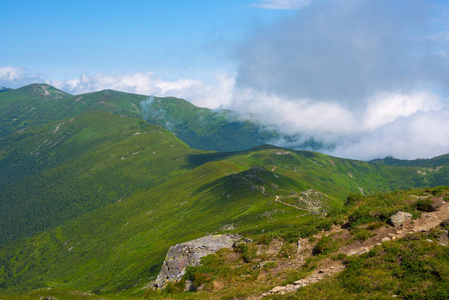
column 385, row 239
column 321, row 271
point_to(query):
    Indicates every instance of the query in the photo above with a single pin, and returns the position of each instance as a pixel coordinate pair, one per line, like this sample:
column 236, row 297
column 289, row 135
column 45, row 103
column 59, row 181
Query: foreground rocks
column 398, row 218
column 180, row 256
column 402, row 226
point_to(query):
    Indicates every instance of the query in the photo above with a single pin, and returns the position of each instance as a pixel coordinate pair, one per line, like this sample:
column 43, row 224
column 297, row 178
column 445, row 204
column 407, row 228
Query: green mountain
column 92, row 195
column 41, row 103
column 200, row 128
column 420, row 162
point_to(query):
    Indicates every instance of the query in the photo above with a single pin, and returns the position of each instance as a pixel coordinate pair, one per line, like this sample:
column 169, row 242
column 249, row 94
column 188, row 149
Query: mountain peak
column 43, row 89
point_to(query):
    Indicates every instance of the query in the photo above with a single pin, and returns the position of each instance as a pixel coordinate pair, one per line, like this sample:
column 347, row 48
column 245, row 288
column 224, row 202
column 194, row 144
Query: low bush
column 424, row 205
column 325, row 245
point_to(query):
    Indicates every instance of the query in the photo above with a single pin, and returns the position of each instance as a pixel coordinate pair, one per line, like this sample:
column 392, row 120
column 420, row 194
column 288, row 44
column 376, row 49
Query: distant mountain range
column 95, row 188
column 200, row 128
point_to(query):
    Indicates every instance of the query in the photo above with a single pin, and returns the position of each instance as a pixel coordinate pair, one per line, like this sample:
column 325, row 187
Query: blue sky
column 370, row 77
column 62, row 39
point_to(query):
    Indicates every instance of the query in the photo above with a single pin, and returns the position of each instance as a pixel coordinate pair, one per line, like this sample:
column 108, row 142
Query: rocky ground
column 329, row 267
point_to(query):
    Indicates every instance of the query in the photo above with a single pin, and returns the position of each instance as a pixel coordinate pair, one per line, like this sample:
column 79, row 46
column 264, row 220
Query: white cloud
column 384, row 108
column 10, row 73
column 421, row 135
column 293, row 116
column 13, row 77
column 406, row 125
column 281, row 4
column 212, row 95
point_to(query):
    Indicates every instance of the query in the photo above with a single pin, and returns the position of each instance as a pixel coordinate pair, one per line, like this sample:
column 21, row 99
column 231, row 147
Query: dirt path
column 291, row 205
column 328, row 267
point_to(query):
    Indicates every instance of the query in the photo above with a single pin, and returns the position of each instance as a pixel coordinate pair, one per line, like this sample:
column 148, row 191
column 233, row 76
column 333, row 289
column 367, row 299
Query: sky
column 370, row 78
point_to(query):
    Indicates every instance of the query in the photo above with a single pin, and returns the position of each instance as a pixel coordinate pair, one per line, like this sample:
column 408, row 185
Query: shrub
column 269, row 265
column 324, row 246
column 362, row 234
column 325, row 225
column 264, row 239
column 353, row 200
column 375, row 226
column 424, row 205
column 247, row 253
column 438, row 191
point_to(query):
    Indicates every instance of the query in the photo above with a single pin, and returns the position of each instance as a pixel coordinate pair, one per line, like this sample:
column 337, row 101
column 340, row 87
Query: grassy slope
column 40, row 103
column 91, row 160
column 121, row 246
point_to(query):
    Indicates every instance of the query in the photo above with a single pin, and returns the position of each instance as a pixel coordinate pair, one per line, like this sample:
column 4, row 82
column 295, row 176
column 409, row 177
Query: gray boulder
column 399, row 218
column 180, row 256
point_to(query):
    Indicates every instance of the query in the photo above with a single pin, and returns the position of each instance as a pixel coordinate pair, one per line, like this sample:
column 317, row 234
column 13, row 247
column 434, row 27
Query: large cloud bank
column 369, row 77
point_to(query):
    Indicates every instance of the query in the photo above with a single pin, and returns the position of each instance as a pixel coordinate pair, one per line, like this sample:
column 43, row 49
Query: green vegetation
column 414, row 267
column 56, row 172
column 92, row 195
column 200, row 128
column 411, row 268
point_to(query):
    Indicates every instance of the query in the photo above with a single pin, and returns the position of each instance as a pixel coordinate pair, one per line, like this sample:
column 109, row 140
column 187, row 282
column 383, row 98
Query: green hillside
column 119, row 248
column 200, row 128
column 58, row 171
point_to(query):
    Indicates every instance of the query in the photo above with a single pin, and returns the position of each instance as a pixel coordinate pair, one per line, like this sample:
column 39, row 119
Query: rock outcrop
column 398, row 218
column 180, row 256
